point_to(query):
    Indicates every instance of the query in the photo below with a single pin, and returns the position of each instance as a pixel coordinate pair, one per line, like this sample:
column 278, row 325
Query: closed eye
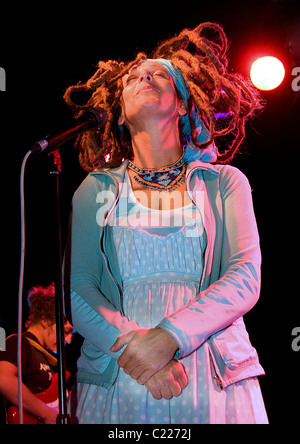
column 130, row 78
column 161, row 74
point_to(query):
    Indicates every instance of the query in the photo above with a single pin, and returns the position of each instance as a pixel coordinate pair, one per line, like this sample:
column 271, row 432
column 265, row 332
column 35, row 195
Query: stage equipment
column 92, row 119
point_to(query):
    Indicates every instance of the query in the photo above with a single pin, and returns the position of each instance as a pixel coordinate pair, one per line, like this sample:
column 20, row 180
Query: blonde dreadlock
column 200, row 55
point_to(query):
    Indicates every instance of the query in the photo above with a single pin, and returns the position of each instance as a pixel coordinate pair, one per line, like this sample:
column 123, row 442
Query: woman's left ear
column 182, row 111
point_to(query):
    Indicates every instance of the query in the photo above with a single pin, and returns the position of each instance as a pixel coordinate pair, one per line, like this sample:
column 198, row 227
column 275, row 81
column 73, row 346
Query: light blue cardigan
column 229, row 287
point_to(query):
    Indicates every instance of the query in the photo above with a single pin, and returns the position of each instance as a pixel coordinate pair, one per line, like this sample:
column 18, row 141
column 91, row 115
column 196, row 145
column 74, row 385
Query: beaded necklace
column 164, row 179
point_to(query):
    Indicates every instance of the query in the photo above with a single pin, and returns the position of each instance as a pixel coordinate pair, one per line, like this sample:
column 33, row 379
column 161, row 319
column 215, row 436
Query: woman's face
column 149, row 92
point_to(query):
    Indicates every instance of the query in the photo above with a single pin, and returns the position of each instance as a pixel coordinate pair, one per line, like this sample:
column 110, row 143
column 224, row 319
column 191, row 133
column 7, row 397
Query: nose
column 145, row 76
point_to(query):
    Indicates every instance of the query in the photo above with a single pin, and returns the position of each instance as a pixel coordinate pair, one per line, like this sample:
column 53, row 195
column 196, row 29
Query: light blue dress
column 160, row 255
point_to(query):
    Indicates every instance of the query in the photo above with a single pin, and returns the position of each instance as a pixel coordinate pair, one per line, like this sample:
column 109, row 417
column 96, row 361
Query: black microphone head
column 98, row 115
column 92, row 119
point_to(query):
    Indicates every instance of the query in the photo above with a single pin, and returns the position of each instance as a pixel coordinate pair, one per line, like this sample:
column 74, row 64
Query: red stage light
column 267, row 73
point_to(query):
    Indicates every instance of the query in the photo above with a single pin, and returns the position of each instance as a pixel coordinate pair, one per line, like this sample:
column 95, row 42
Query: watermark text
column 296, row 340
column 2, row 79
column 296, row 80
column 140, row 209
column 2, row 339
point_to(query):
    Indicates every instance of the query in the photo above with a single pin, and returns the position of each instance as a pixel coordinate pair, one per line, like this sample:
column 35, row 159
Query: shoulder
column 10, row 354
column 88, row 186
column 85, row 197
column 12, row 342
column 231, row 177
column 228, row 181
column 229, row 172
column 101, row 179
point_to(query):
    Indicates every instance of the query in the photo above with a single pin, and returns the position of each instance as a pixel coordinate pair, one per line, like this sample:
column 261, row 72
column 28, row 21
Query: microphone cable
column 21, row 280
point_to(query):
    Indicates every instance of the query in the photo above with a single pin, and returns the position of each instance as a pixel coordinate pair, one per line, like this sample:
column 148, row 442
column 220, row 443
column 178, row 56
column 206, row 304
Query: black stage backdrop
column 46, row 47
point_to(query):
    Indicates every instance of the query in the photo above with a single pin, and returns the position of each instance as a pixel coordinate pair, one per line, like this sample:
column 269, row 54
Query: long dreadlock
column 201, row 56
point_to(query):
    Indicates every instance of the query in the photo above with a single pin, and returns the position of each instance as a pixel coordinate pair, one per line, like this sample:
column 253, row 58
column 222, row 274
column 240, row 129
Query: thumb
column 180, row 375
column 121, row 341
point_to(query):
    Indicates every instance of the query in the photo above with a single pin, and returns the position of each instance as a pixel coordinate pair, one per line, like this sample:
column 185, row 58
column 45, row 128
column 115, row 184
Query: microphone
column 93, row 118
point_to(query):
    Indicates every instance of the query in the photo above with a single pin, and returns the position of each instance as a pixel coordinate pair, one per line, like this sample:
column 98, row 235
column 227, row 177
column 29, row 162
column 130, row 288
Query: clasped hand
column 148, row 358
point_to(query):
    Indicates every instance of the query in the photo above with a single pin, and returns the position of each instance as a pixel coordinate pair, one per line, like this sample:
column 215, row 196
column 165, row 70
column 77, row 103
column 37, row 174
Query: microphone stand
column 63, row 417
column 93, row 118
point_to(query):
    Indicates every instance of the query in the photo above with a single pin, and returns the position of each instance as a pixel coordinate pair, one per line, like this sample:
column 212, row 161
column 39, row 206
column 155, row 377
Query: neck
column 155, row 148
column 36, row 331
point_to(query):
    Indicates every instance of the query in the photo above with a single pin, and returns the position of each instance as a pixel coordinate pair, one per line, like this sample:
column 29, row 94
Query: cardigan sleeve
column 89, row 310
column 237, row 289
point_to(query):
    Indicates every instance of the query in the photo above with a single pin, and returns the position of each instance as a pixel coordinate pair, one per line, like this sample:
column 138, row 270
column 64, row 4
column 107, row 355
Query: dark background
column 46, row 47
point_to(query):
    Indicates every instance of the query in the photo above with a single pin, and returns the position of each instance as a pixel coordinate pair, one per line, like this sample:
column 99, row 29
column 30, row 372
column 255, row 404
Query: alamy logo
column 2, row 79
column 2, row 339
column 296, row 341
column 296, row 80
column 136, row 216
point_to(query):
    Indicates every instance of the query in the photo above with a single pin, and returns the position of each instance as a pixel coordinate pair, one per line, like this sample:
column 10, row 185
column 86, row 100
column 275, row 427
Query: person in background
column 38, row 363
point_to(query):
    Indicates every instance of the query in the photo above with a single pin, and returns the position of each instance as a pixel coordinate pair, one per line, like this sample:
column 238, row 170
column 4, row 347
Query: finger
column 154, row 390
column 121, row 341
column 156, row 394
column 133, row 371
column 175, row 389
column 171, row 387
column 145, row 376
column 124, row 363
column 166, row 392
column 137, row 374
column 182, row 380
column 180, row 375
column 130, row 364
